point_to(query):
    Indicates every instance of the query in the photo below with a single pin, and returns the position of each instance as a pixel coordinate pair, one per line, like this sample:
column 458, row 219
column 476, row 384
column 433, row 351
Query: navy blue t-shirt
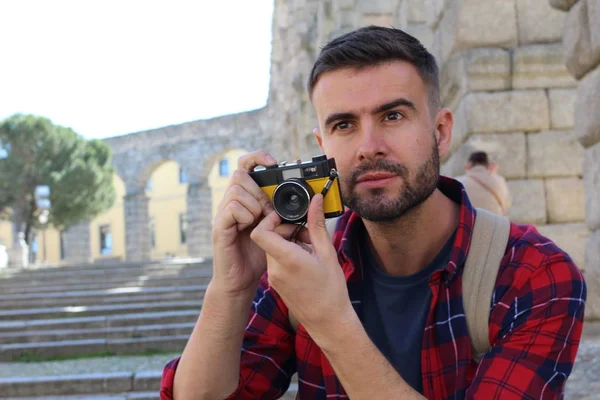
column 395, row 310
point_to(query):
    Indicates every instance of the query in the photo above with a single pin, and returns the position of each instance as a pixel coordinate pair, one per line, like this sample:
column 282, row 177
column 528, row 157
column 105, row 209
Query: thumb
column 317, row 229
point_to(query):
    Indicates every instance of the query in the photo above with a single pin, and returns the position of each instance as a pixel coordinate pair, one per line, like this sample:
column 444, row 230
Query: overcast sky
column 110, row 67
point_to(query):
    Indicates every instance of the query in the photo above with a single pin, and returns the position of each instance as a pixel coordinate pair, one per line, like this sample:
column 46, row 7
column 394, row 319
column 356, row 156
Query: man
column 485, row 188
column 379, row 310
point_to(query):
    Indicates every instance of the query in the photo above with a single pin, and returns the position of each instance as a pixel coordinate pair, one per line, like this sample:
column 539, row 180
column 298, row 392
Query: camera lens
column 291, row 199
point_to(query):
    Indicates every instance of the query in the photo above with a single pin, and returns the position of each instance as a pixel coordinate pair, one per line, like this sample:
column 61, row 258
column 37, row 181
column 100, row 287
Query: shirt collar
column 347, row 234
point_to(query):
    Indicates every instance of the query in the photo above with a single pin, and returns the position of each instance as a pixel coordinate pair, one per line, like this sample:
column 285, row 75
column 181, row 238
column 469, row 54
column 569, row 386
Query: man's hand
column 309, row 280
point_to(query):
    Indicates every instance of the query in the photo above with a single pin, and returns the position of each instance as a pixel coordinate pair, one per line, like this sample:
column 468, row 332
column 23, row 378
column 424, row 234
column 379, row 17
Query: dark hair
column 372, row 45
column 479, row 158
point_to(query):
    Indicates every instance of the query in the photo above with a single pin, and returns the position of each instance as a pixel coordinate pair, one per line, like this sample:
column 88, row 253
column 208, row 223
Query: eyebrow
column 382, row 108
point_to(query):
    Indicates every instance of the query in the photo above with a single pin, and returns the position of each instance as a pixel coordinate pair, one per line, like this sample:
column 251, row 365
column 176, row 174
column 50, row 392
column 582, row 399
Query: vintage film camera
column 291, row 186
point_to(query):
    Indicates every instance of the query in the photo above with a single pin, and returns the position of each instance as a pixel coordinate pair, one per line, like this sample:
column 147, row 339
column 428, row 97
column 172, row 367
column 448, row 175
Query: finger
column 241, row 178
column 319, row 237
column 235, row 214
column 239, row 194
column 249, row 161
column 272, row 243
column 286, row 231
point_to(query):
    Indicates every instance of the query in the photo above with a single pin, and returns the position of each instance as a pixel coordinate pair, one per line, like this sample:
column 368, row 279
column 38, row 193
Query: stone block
column 538, row 22
column 528, row 201
column 592, row 276
column 541, row 66
column 468, row 24
column 422, row 33
column 554, row 154
column 474, row 70
column 435, row 10
column 591, row 180
column 512, row 111
column 565, row 200
column 569, row 237
column 345, row 4
column 506, row 149
column 376, row 6
column 385, row 20
column 416, row 11
column 587, row 109
column 593, row 7
column 562, row 4
column 562, row 108
column 580, row 54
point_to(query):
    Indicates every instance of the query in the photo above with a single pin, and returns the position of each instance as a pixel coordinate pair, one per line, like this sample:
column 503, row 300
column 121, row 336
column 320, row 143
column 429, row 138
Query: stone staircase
column 66, row 332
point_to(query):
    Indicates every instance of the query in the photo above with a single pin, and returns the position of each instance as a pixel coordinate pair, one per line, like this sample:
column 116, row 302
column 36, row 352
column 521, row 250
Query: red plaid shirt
column 535, row 325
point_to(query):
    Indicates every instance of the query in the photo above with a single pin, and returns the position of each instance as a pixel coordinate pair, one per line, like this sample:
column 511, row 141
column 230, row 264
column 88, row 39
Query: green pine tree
column 34, row 151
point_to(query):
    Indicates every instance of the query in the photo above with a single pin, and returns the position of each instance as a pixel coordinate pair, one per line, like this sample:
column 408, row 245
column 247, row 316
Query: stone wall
column 581, row 40
column 503, row 74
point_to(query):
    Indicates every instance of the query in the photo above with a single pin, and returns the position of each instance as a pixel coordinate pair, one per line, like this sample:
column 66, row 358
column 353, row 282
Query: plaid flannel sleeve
column 535, row 327
column 267, row 359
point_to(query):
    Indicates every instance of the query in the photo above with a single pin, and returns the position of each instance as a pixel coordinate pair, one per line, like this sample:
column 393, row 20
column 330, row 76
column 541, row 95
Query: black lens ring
column 306, row 189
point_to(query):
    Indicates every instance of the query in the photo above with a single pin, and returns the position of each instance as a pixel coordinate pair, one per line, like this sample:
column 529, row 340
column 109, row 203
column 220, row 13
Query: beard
column 376, row 206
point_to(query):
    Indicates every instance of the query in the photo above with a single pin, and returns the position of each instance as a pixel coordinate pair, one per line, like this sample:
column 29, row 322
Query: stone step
column 71, row 348
column 97, row 384
column 94, row 275
column 74, row 268
column 196, row 277
column 86, row 301
column 100, row 386
column 113, row 295
column 103, row 321
column 62, row 273
column 153, row 395
column 101, row 310
column 118, row 332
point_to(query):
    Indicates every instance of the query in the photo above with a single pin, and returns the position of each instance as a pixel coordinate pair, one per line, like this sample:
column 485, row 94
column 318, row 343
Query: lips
column 374, row 176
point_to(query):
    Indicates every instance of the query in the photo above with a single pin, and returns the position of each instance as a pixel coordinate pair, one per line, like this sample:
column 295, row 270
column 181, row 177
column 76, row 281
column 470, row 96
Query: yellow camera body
column 291, row 186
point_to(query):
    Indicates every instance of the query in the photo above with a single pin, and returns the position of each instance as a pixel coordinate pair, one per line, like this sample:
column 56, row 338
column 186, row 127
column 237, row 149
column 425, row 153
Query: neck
column 416, row 237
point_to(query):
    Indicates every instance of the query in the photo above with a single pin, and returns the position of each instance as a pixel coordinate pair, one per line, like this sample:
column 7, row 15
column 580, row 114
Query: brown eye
column 393, row 116
column 342, row 125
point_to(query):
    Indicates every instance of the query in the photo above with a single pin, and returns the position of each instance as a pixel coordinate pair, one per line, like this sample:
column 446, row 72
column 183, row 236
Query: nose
column 372, row 143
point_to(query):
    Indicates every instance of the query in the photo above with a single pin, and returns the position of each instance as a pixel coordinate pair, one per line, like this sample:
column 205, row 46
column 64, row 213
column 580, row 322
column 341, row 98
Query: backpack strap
column 488, row 245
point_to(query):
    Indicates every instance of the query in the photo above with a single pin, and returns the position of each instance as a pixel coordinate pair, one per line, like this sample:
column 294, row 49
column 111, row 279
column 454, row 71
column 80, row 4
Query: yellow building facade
column 167, row 209
column 218, row 178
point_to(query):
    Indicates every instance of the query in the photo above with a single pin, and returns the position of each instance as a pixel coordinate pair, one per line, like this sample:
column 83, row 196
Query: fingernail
column 270, row 159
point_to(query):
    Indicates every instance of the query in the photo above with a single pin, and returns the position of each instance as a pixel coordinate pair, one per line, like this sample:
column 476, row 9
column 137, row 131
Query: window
column 183, row 178
column 61, row 237
column 152, row 232
column 224, row 167
column 149, row 185
column 183, row 228
column 105, row 240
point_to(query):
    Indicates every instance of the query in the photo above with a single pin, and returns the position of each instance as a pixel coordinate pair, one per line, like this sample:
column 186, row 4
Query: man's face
column 377, row 125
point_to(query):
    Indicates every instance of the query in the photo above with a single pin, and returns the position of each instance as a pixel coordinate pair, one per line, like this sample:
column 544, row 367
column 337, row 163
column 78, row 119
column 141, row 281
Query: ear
column 319, row 138
column 444, row 122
